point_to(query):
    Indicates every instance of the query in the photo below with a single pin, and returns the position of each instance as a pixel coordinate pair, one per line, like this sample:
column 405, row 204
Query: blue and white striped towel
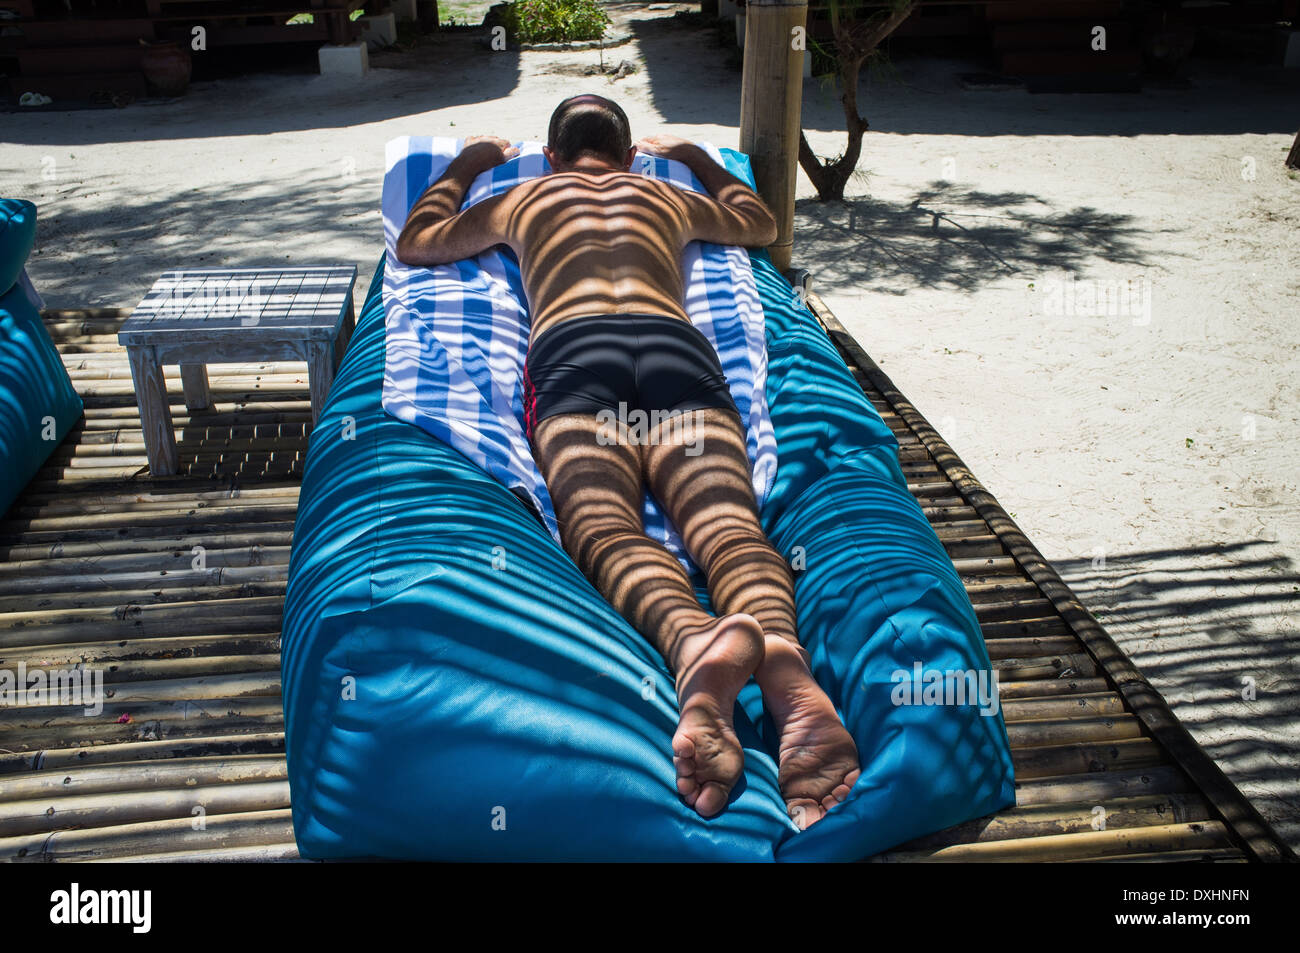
column 457, row 335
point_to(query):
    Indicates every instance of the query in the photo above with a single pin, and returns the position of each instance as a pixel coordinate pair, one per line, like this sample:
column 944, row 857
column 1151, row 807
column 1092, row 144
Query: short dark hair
column 589, row 125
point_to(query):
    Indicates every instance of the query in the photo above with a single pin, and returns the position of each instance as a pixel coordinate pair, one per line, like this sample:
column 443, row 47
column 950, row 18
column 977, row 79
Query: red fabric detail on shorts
column 530, row 405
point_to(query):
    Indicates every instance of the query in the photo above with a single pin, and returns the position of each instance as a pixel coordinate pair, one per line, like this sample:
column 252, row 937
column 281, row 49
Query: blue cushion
column 17, row 234
column 37, row 402
column 455, row 689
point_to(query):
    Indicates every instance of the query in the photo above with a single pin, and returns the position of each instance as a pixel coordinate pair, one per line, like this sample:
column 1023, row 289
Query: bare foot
column 713, row 662
column 817, row 757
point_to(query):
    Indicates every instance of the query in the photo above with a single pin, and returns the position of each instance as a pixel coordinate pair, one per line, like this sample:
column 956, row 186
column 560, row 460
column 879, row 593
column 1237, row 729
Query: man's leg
column 697, row 467
column 597, row 491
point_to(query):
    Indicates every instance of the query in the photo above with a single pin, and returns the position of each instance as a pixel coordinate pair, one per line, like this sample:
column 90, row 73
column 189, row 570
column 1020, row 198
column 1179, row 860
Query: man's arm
column 436, row 233
column 734, row 216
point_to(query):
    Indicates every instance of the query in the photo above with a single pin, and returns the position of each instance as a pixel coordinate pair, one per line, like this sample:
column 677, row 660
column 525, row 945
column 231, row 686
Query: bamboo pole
column 252, row 853
column 972, row 547
column 191, row 457
column 154, row 670
column 198, row 430
column 1057, row 760
column 91, row 367
column 203, row 688
column 279, row 383
column 221, row 832
column 202, row 526
column 1211, row 855
column 1083, row 846
column 94, row 453
column 111, row 809
column 1028, row 648
column 1044, row 820
column 246, row 548
column 129, row 501
column 996, row 591
column 92, row 592
column 988, row 567
column 1038, row 709
column 104, row 367
column 72, row 720
column 946, row 511
column 1058, row 686
column 1029, row 734
column 1019, row 628
column 263, row 411
column 225, row 721
column 956, row 529
column 1035, row 669
column 143, row 622
column 107, row 653
column 45, row 619
column 72, row 525
column 198, row 746
column 144, row 776
column 206, row 469
column 771, row 93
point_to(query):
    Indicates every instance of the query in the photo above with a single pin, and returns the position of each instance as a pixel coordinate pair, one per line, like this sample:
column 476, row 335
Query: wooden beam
column 770, row 98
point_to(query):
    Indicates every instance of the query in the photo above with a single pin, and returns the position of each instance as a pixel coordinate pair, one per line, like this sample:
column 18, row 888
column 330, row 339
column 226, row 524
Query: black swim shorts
column 622, row 363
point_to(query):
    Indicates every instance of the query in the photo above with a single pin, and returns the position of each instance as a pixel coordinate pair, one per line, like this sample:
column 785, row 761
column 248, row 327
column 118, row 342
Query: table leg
column 194, row 379
column 320, row 374
column 155, row 413
column 345, row 333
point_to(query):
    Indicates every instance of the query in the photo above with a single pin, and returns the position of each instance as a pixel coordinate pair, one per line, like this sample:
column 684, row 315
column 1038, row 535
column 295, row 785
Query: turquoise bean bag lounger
column 455, row 689
column 38, row 405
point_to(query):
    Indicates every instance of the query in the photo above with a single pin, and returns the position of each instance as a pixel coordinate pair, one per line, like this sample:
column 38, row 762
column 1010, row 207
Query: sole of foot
column 714, row 661
column 817, row 757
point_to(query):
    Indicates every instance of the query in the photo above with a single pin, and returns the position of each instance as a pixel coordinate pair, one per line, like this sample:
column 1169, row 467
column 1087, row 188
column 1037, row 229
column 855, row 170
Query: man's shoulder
column 563, row 180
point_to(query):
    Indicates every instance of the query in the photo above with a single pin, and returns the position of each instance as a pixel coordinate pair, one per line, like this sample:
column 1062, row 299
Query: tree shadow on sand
column 951, row 238
column 107, row 252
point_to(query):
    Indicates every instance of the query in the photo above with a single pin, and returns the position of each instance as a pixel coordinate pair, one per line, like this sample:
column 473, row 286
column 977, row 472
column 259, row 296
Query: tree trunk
column 1292, row 160
column 854, row 43
column 831, row 177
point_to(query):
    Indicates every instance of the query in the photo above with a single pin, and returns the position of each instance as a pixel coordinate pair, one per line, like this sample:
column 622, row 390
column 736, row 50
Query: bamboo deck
column 186, row 761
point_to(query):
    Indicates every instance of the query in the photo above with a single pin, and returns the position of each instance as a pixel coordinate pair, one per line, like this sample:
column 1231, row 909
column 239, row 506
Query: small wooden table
column 218, row 316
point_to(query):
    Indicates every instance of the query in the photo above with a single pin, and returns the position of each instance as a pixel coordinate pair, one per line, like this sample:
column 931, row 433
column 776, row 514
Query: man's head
column 589, row 131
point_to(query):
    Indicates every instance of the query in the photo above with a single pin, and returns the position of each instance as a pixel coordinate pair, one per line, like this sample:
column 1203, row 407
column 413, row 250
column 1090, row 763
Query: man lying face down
column 600, row 252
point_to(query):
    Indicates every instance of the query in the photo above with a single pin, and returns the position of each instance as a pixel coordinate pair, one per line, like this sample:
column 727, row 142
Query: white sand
column 1077, row 422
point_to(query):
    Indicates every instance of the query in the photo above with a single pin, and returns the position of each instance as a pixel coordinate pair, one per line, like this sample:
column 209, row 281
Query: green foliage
column 555, row 21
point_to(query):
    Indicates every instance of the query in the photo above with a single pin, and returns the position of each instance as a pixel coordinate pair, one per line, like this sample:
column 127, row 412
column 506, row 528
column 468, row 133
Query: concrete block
column 379, row 30
column 351, row 59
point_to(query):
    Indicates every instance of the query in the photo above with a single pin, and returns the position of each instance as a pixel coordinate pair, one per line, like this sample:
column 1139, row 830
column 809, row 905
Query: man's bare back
column 598, row 244
column 590, row 240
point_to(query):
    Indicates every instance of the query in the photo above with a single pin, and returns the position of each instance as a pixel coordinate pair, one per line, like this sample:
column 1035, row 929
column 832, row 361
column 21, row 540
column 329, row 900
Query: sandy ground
column 1149, row 448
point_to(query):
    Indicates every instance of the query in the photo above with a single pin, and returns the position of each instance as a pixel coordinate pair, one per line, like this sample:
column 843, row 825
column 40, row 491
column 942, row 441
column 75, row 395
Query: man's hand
column 484, row 152
column 669, row 147
column 734, row 216
column 436, row 232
